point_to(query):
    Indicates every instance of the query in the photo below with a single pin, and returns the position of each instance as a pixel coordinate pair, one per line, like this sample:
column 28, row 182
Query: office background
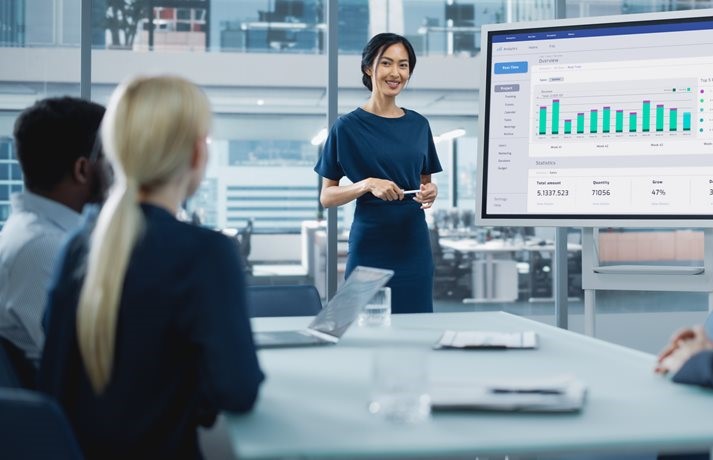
column 264, row 67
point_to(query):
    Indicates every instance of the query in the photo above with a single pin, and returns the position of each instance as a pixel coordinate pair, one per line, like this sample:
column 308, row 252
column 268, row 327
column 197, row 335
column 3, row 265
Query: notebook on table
column 335, row 318
column 486, row 340
column 561, row 393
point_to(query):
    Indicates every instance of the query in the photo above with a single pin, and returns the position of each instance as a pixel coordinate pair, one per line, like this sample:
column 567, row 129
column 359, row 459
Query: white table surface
column 314, row 401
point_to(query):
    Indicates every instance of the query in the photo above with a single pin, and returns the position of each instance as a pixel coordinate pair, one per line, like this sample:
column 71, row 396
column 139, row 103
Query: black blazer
column 184, row 349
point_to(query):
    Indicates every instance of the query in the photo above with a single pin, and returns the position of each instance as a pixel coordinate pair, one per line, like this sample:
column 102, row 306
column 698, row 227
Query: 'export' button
column 511, row 67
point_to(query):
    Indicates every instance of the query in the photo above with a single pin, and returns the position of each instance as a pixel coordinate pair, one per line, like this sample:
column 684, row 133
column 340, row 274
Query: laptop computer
column 335, row 318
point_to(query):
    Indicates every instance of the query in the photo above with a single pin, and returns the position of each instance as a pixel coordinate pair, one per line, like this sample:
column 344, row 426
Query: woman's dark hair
column 376, row 47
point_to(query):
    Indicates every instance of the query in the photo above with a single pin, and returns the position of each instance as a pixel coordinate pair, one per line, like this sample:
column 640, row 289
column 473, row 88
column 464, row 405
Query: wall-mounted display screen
column 598, row 122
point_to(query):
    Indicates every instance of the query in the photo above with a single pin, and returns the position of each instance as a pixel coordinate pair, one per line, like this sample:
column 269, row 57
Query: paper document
column 559, row 394
column 487, row 339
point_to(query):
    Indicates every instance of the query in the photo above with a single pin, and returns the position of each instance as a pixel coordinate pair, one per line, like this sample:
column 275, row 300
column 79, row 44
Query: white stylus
column 411, row 192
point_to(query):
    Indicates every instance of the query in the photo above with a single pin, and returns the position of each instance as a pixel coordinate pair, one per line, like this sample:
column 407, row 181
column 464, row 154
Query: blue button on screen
column 511, row 67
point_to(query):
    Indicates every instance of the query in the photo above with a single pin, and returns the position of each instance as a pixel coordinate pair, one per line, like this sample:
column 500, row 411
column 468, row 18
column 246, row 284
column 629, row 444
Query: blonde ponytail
column 113, row 239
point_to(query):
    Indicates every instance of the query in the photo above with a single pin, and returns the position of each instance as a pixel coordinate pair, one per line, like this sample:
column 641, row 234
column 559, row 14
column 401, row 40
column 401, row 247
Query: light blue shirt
column 29, row 244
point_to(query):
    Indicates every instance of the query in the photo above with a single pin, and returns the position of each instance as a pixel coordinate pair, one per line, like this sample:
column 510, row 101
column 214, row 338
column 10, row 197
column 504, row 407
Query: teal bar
column 593, row 121
column 543, row 120
column 632, row 122
column 646, row 116
column 619, row 121
column 606, row 117
column 686, row 121
column 580, row 123
column 672, row 122
column 568, row 126
column 555, row 116
column 659, row 117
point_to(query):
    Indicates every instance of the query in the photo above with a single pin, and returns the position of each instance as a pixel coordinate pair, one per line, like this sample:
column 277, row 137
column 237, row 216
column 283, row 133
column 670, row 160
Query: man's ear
column 81, row 170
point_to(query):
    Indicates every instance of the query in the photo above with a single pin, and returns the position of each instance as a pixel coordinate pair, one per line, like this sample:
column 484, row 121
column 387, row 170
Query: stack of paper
column 559, row 394
column 487, row 339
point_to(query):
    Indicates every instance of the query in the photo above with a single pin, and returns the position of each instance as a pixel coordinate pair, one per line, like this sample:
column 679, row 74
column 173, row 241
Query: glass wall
column 263, row 69
column 39, row 51
column 263, row 65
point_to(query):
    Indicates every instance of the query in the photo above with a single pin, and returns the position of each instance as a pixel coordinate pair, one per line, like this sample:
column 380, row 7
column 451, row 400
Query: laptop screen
column 350, row 298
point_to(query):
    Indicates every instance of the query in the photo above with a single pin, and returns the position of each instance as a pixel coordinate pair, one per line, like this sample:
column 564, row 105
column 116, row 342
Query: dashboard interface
column 600, row 120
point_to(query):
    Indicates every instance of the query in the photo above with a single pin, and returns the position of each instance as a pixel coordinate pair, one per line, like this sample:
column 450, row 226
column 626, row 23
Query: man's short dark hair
column 51, row 136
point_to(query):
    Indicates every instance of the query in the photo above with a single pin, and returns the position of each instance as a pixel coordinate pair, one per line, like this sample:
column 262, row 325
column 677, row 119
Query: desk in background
column 451, row 32
column 494, row 274
column 287, row 27
column 314, row 401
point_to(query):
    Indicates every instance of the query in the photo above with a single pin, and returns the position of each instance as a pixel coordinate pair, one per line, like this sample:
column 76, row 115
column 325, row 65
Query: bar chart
column 668, row 110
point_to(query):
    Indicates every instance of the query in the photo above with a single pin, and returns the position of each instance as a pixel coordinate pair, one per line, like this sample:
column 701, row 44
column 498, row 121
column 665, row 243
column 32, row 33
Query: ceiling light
column 448, row 135
column 260, row 102
column 320, row 137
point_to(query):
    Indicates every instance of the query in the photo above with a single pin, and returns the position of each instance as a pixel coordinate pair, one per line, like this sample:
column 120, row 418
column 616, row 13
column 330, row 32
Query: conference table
column 314, row 401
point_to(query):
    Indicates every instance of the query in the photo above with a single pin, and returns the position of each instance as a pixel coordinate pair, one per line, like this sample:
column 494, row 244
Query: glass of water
column 377, row 313
column 400, row 385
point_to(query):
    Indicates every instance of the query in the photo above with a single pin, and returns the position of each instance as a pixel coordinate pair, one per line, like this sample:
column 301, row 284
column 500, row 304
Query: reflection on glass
column 37, row 42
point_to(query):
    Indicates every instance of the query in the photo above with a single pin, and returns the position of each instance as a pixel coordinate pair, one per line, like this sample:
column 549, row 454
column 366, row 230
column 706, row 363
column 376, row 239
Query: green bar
column 605, row 119
column 646, row 116
column 686, row 121
column 632, row 122
column 593, row 121
column 555, row 116
column 568, row 126
column 580, row 123
column 619, row 121
column 543, row 120
column 672, row 115
column 659, row 117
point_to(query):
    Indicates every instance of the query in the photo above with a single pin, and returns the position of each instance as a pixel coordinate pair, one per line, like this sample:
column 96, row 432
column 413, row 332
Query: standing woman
column 385, row 150
column 148, row 335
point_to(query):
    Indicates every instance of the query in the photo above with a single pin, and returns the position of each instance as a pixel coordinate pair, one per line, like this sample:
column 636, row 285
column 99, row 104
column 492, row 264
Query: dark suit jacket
column 698, row 370
column 184, row 347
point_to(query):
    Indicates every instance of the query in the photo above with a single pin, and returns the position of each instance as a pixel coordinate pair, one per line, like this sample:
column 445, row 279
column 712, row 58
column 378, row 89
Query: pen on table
column 543, row 391
column 411, row 192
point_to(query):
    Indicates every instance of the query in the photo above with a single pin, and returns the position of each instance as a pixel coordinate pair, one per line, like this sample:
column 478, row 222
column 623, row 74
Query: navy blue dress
column 184, row 349
column 387, row 234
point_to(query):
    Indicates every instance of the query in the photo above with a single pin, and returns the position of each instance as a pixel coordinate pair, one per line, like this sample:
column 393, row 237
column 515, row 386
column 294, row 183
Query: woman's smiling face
column 391, row 72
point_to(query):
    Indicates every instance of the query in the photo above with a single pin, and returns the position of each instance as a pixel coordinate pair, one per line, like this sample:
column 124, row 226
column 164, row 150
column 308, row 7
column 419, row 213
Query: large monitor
column 598, row 122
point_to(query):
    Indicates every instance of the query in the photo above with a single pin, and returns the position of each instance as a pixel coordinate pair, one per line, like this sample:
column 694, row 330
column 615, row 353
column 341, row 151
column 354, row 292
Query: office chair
column 243, row 237
column 449, row 268
column 541, row 271
column 15, row 370
column 294, row 300
column 34, row 426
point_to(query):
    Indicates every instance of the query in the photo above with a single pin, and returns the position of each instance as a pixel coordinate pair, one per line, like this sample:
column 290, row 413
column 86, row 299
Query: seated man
column 62, row 171
column 689, row 355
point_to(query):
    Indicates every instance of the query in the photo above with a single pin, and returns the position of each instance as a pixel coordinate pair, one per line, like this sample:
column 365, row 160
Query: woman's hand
column 678, row 337
column 684, row 344
column 385, row 189
column 427, row 195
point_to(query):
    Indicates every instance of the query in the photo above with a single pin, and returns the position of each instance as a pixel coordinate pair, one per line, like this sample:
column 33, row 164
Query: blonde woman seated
column 148, row 335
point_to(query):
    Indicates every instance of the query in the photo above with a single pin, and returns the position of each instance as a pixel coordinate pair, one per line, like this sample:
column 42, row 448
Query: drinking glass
column 377, row 313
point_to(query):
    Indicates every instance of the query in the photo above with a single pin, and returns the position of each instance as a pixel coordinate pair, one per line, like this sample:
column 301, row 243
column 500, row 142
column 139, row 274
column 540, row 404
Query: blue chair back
column 292, row 300
column 33, row 426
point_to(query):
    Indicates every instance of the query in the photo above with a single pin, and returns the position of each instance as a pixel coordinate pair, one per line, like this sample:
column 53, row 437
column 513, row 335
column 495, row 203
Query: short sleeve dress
column 387, row 234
